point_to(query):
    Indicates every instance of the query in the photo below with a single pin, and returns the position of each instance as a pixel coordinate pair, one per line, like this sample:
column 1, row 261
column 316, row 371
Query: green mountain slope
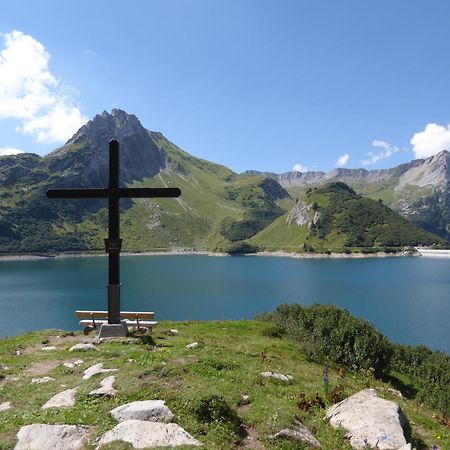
column 218, row 210
column 217, row 206
column 334, row 218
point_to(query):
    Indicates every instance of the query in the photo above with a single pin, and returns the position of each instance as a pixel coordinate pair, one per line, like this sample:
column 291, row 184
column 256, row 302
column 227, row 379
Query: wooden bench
column 132, row 319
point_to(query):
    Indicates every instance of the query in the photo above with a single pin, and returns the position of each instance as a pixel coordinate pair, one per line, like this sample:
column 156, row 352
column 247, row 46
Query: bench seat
column 130, row 323
column 146, row 315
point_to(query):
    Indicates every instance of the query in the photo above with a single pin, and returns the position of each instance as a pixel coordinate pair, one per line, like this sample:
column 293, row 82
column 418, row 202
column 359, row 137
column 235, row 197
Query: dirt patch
column 183, row 360
column 42, row 367
column 250, row 438
column 66, row 339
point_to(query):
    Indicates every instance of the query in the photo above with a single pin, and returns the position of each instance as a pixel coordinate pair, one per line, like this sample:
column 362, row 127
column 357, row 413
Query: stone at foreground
column 142, row 434
column 106, row 389
column 65, row 399
column 277, row 376
column 55, row 437
column 300, row 433
column 150, row 410
column 42, row 380
column 192, row 345
column 5, row 406
column 95, row 370
column 82, row 347
column 370, row 421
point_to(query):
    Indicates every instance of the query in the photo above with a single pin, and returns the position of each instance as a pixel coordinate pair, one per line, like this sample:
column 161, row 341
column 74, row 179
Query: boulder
column 149, row 410
column 83, row 347
column 72, row 364
column 41, row 380
column 142, row 434
column 95, row 370
column 106, row 389
column 56, row 437
column 192, row 345
column 370, row 421
column 300, row 433
column 277, row 376
column 65, row 399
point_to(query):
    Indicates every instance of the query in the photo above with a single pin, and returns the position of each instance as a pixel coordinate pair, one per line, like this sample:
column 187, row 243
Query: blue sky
column 264, row 85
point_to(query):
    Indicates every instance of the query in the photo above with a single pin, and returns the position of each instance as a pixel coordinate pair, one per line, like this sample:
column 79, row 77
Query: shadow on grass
column 407, row 389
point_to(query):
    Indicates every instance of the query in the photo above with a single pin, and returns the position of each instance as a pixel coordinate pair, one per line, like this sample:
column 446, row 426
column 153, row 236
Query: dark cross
column 113, row 244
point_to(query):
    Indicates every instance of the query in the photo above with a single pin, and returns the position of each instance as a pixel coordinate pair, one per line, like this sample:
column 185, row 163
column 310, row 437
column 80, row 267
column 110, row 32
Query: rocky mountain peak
column 84, row 158
column 106, row 126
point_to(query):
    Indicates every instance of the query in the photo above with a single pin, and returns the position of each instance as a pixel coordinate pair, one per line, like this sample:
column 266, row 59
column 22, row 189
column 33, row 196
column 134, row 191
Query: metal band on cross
column 113, row 244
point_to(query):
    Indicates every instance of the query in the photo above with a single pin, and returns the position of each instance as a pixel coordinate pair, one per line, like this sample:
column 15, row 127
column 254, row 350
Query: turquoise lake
column 408, row 299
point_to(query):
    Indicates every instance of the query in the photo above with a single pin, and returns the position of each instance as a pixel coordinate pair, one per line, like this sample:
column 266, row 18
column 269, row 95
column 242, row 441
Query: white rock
column 95, row 370
column 49, row 348
column 245, row 398
column 56, row 437
column 300, row 433
column 82, row 347
column 192, row 345
column 41, row 380
column 366, row 417
column 106, row 389
column 277, row 376
column 150, row 410
column 174, row 331
column 72, row 364
column 406, row 447
column 141, row 434
column 65, row 399
column 5, row 406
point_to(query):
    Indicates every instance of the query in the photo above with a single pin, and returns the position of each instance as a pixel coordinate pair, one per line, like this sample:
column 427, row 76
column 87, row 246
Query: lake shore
column 181, row 252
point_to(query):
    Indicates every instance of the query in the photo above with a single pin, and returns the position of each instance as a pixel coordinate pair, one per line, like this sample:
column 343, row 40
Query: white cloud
column 386, row 151
column 430, row 141
column 300, row 168
column 342, row 160
column 31, row 94
column 9, row 151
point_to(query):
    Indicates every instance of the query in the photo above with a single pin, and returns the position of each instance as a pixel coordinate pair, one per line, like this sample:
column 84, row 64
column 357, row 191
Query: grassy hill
column 217, row 206
column 339, row 219
column 203, row 387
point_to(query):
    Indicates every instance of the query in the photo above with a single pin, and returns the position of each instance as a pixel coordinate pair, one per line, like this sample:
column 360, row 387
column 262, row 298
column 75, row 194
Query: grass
column 227, row 363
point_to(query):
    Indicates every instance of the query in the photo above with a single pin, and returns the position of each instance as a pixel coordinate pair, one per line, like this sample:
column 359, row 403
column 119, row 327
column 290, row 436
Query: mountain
column 218, row 210
column 217, row 206
column 334, row 217
column 419, row 190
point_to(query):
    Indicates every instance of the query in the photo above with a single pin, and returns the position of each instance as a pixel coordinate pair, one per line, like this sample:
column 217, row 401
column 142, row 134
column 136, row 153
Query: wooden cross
column 113, row 244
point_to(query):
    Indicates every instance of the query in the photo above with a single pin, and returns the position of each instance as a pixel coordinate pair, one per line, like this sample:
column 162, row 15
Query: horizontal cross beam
column 118, row 193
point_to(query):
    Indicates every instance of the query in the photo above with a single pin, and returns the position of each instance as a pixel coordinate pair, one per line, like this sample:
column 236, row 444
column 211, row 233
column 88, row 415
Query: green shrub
column 329, row 333
column 430, row 372
column 214, row 408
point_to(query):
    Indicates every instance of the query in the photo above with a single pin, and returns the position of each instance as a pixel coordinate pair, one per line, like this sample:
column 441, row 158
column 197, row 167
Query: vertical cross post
column 113, row 236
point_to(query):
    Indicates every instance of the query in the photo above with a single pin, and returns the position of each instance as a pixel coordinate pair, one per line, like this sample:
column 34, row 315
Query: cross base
column 113, row 330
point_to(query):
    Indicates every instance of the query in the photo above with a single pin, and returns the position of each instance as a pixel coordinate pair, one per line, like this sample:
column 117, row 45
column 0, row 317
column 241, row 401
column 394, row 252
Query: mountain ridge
column 218, row 210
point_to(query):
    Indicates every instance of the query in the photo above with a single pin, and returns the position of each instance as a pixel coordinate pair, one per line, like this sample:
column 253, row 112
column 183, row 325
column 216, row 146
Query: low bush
column 214, row 408
column 329, row 333
column 429, row 371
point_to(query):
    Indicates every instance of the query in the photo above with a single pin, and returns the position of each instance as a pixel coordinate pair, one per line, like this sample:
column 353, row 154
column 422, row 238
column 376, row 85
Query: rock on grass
column 141, row 434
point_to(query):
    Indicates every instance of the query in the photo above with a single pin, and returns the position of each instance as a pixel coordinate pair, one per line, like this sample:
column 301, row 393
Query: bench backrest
column 147, row 315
